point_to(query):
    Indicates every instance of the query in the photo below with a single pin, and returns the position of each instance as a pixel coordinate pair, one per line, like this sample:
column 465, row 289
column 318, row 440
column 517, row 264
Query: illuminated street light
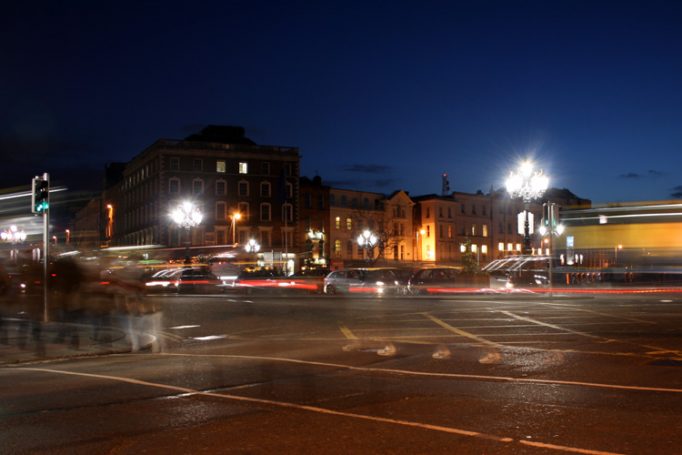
column 528, row 184
column 187, row 215
column 13, row 235
column 252, row 246
column 367, row 240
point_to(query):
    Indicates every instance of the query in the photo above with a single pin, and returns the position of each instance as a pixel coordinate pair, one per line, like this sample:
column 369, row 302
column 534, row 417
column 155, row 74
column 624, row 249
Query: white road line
column 657, row 349
column 320, row 410
column 429, row 374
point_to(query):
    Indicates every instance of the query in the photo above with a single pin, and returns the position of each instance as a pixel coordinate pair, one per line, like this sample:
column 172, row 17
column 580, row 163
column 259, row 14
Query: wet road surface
column 337, row 375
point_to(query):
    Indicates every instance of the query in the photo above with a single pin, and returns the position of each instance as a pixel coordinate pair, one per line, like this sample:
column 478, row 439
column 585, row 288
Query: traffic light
column 40, row 197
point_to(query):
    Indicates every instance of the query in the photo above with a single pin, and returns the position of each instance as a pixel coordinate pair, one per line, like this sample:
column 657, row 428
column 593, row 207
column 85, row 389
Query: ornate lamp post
column 252, row 246
column 187, row 215
column 367, row 240
column 528, row 184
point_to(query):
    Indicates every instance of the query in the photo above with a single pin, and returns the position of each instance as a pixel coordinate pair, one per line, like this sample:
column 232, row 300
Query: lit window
column 484, row 249
column 349, row 224
column 337, row 246
column 510, row 247
column 449, row 231
column 243, row 167
column 220, row 166
column 518, row 247
column 473, row 229
column 474, row 248
column 500, row 246
column 485, row 230
column 338, row 222
column 462, row 248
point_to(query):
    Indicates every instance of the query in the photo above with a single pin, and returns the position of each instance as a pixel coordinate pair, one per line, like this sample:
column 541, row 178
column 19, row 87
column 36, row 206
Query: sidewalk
column 22, row 340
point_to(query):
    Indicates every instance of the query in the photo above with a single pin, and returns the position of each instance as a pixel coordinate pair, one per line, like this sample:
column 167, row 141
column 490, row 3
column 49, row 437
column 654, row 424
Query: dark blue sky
column 377, row 95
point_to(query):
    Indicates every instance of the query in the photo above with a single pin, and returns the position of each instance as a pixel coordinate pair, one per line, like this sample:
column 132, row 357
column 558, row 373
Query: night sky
column 377, row 95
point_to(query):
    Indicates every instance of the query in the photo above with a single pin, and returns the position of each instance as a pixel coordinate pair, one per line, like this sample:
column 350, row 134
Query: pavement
column 23, row 340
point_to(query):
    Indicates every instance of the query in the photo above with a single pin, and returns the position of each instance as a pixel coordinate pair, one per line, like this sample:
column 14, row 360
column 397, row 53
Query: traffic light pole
column 46, row 252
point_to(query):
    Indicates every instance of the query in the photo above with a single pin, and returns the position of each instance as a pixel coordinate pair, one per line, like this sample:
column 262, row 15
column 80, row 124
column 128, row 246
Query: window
column 449, row 231
column 344, row 201
column 174, row 163
column 220, row 166
column 290, row 190
column 332, row 199
column 484, row 249
column 244, row 210
column 287, row 213
column 197, row 186
column 220, row 188
column 473, row 209
column 462, row 209
column 428, row 212
column 308, row 200
column 265, row 168
column 338, row 222
column 349, row 248
column 473, row 229
column 349, row 224
column 518, row 247
column 500, row 246
column 243, row 167
column 440, row 231
column 243, row 188
column 265, row 238
column 264, row 189
column 197, row 164
column 220, row 211
column 485, row 230
column 320, row 202
column 474, row 248
column 484, row 211
column 265, row 211
column 449, row 212
column 174, row 185
column 440, row 212
column 428, row 230
column 510, row 247
column 337, row 247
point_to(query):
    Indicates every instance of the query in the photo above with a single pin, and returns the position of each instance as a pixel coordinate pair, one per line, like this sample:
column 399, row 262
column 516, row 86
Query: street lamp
column 252, row 246
column 528, row 184
column 187, row 215
column 367, row 240
column 236, row 216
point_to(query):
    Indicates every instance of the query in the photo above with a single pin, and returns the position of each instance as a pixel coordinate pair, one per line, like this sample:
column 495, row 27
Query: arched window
column 197, row 186
column 220, row 188
column 265, row 211
column 174, row 185
column 287, row 213
column 265, row 189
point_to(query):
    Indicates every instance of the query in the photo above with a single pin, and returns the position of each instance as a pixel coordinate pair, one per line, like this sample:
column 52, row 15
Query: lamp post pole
column 235, row 217
column 528, row 184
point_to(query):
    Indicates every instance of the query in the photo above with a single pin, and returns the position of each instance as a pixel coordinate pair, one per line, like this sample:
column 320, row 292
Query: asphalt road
column 591, row 375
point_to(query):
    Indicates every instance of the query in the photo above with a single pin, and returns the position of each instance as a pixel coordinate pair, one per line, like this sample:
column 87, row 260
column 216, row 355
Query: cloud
column 367, row 168
column 651, row 173
column 677, row 192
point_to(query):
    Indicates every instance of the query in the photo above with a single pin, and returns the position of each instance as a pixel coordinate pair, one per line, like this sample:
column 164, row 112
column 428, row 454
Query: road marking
column 552, row 326
column 320, row 410
column 564, row 448
column 461, row 332
column 347, row 332
column 576, row 308
column 429, row 374
column 656, row 349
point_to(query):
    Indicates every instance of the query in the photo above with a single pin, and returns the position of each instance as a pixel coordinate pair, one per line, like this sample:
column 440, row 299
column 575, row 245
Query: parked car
column 436, row 279
column 376, row 281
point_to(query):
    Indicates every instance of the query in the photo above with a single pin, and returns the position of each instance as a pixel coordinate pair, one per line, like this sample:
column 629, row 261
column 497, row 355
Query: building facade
column 223, row 173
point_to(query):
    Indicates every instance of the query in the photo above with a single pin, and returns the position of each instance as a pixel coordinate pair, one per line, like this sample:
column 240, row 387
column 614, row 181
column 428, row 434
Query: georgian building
column 223, row 173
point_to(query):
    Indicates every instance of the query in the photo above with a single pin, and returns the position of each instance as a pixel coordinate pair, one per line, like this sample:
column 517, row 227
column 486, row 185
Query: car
column 436, row 279
column 519, row 272
column 197, row 281
column 162, row 281
column 375, row 281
